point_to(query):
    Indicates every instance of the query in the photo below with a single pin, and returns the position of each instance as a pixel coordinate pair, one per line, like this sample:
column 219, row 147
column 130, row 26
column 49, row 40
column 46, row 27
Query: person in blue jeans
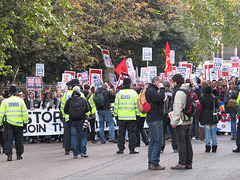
column 77, row 107
column 104, row 114
column 206, row 118
column 155, row 96
column 79, row 132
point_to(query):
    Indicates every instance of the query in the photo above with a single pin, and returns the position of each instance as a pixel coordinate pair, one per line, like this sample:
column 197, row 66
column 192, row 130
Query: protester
column 237, row 150
column 58, row 98
column 89, row 94
column 67, row 131
column 125, row 111
column 182, row 129
column 155, row 95
column 140, row 123
column 14, row 125
column 231, row 103
column 31, row 102
column 166, row 119
column 47, row 102
column 206, row 118
column 77, row 107
column 21, row 95
column 5, row 93
column 104, row 114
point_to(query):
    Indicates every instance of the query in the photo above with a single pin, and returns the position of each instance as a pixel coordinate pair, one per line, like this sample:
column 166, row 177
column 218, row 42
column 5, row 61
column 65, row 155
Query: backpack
column 232, row 103
column 192, row 106
column 99, row 100
column 77, row 108
column 234, row 93
column 142, row 104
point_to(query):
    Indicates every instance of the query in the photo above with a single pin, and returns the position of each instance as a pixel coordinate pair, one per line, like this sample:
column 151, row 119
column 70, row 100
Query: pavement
column 47, row 161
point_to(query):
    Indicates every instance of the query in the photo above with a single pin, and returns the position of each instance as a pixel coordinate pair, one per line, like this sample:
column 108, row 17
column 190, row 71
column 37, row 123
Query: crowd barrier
column 43, row 122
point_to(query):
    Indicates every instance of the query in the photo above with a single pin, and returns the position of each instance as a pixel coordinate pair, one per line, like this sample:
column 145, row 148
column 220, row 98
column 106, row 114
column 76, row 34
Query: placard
column 183, row 72
column 235, row 62
column 95, row 77
column 172, row 56
column 106, row 58
column 147, row 54
column 225, row 71
column 39, row 69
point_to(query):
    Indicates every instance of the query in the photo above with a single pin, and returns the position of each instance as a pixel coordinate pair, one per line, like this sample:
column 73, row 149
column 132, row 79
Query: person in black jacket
column 206, row 118
column 105, row 114
column 78, row 129
column 155, row 96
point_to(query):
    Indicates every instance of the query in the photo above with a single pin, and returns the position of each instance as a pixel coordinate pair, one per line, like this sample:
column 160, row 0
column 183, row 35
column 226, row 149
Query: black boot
column 19, row 157
column 214, row 149
column 9, row 158
column 237, row 150
column 208, row 149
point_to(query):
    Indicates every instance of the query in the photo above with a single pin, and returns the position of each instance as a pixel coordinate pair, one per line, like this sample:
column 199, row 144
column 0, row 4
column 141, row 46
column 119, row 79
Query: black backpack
column 191, row 107
column 234, row 93
column 99, row 99
column 78, row 107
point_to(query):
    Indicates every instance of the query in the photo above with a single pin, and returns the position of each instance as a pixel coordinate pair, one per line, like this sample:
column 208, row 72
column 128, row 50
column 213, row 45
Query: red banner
column 122, row 67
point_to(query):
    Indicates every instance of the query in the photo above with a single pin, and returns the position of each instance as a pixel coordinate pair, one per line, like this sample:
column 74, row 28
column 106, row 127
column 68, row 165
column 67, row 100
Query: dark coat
column 36, row 103
column 109, row 98
column 206, row 114
column 155, row 99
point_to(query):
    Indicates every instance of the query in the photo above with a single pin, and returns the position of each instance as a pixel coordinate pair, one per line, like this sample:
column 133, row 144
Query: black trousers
column 185, row 151
column 11, row 132
column 92, row 133
column 238, row 136
column 166, row 123
column 140, row 130
column 67, row 136
column 130, row 126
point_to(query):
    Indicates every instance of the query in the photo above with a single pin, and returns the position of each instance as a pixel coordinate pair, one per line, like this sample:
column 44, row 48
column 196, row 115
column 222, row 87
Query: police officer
column 67, row 129
column 125, row 111
column 16, row 114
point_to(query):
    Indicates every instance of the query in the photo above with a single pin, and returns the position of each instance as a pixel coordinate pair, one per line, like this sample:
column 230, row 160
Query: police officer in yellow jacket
column 67, row 130
column 125, row 111
column 16, row 117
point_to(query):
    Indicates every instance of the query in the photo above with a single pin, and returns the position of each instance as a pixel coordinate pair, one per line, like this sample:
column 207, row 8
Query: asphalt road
column 47, row 161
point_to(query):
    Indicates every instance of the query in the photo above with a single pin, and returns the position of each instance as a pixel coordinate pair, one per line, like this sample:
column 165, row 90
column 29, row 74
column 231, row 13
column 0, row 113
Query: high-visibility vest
column 92, row 104
column 125, row 107
column 66, row 96
column 15, row 111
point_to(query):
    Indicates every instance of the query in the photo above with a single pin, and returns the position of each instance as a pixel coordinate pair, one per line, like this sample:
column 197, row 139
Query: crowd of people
column 79, row 104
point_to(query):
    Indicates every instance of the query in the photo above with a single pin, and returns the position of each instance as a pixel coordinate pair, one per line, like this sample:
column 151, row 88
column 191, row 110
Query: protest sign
column 144, row 74
column 206, row 72
column 182, row 71
column 235, row 62
column 182, row 62
column 106, row 58
column 170, row 76
column 225, row 71
column 95, row 77
column 152, row 72
column 38, row 83
column 65, row 79
column 189, row 69
column 30, row 83
column 113, row 79
column 73, row 73
column 39, row 69
column 147, row 54
column 172, row 56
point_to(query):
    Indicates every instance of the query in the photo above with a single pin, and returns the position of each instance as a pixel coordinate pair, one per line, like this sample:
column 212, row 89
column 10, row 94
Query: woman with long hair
column 206, row 118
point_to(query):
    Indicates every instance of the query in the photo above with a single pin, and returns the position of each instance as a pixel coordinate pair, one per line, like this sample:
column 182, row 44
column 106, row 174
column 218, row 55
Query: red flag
column 168, row 66
column 122, row 67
